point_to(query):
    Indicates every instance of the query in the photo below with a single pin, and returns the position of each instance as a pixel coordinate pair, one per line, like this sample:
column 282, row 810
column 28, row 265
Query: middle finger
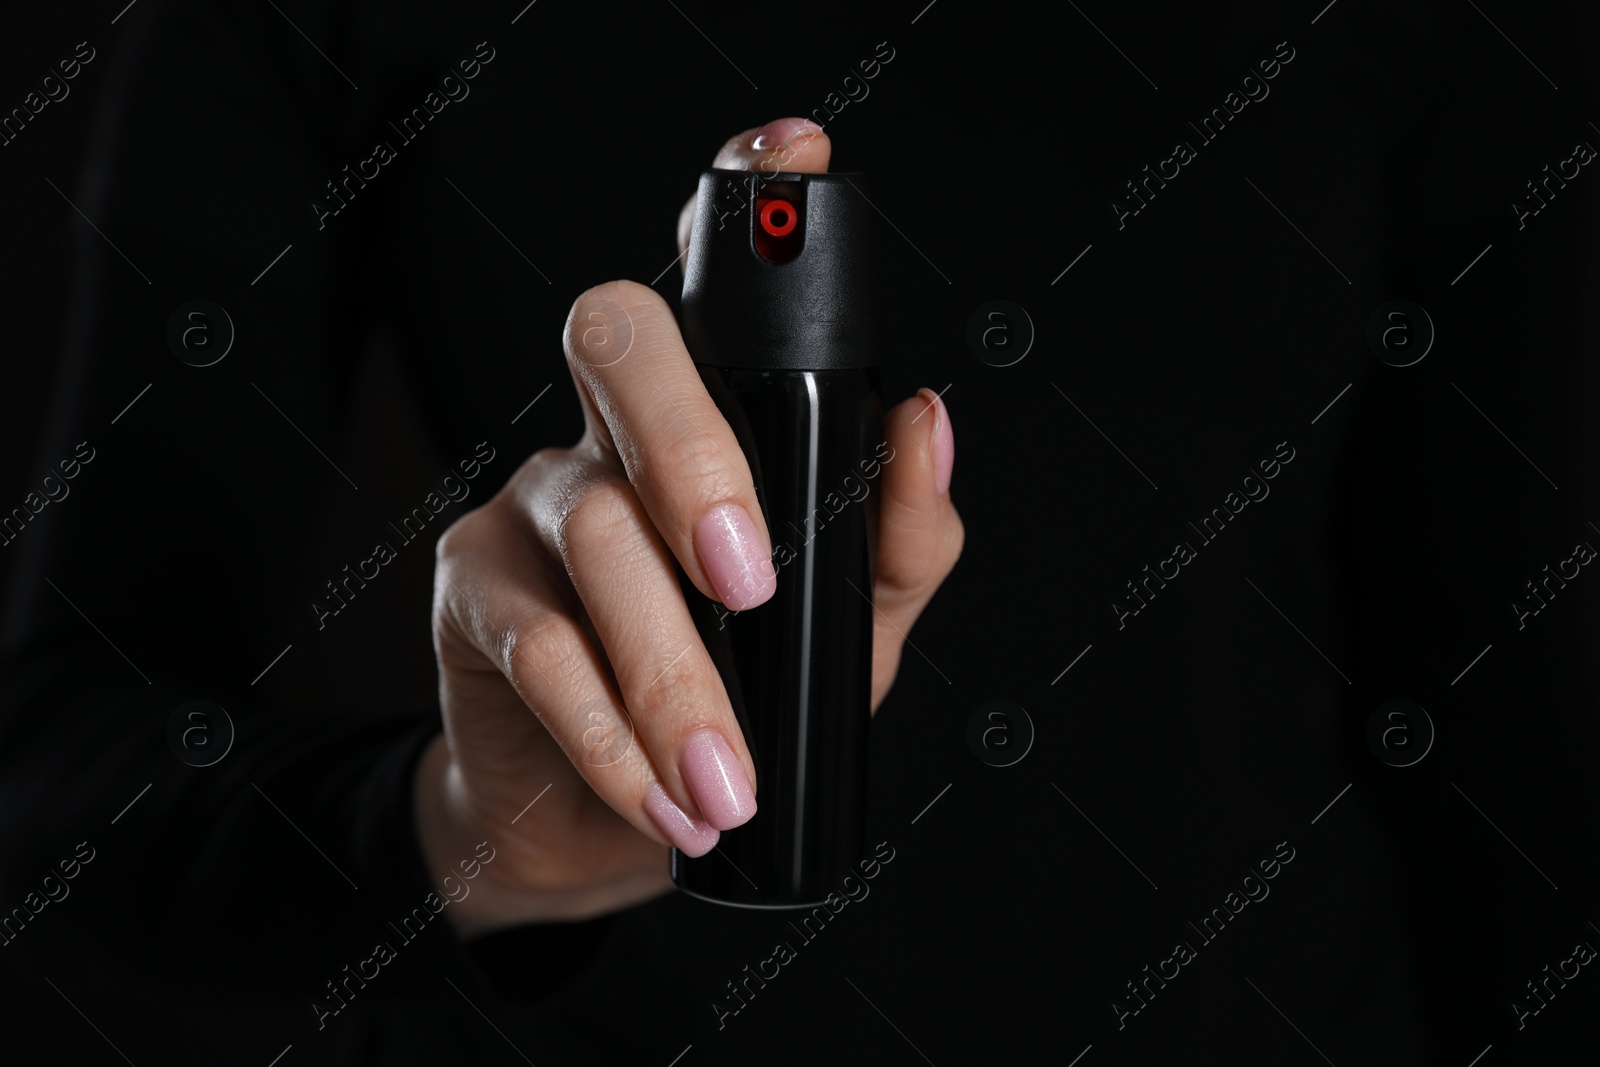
column 587, row 515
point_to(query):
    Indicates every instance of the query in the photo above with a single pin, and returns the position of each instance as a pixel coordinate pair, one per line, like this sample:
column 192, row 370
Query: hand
column 570, row 669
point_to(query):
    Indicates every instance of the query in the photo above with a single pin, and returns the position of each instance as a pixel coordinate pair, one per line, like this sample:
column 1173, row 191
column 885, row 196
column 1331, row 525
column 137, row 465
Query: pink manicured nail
column 716, row 780
column 780, row 132
column 731, row 553
column 691, row 836
column 944, row 445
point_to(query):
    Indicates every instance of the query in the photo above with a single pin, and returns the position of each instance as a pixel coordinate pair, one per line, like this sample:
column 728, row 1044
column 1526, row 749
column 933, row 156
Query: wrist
column 459, row 852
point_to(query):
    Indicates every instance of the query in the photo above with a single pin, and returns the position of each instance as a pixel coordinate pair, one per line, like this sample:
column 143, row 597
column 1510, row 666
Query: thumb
column 920, row 535
column 794, row 146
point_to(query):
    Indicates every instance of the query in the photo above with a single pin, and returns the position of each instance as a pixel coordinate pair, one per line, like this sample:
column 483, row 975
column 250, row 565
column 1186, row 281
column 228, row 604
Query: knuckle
column 546, row 643
column 674, row 684
column 600, row 510
column 692, row 459
column 458, row 538
column 533, row 480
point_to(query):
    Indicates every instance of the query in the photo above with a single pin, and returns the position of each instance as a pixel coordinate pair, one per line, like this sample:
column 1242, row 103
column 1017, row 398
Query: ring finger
column 588, row 516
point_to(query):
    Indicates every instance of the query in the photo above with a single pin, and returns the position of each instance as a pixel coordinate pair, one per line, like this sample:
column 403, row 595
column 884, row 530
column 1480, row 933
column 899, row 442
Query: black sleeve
column 207, row 512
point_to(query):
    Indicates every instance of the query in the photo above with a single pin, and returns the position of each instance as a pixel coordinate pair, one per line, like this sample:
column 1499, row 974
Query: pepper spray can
column 779, row 315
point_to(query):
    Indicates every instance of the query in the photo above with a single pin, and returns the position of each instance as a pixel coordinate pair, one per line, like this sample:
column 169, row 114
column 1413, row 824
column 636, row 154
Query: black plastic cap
column 813, row 311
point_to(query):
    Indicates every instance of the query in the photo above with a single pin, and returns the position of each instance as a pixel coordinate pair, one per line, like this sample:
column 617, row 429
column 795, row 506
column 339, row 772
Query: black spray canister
column 779, row 316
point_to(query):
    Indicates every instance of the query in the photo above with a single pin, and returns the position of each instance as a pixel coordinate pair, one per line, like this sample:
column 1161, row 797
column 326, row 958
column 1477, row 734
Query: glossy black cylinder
column 804, row 402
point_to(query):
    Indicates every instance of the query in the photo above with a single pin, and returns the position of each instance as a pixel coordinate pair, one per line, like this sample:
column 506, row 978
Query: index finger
column 795, row 146
column 650, row 409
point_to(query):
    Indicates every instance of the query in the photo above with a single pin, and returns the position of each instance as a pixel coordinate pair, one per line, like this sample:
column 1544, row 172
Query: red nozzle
column 778, row 218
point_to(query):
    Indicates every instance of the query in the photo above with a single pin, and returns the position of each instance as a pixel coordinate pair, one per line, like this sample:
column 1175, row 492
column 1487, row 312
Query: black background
column 1178, row 751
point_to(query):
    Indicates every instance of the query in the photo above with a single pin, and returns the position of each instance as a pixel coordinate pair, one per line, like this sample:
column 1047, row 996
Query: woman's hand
column 570, row 669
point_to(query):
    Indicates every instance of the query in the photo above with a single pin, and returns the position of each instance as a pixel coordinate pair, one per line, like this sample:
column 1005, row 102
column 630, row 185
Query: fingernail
column 716, row 780
column 730, row 551
column 779, row 132
column 943, row 444
column 691, row 836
